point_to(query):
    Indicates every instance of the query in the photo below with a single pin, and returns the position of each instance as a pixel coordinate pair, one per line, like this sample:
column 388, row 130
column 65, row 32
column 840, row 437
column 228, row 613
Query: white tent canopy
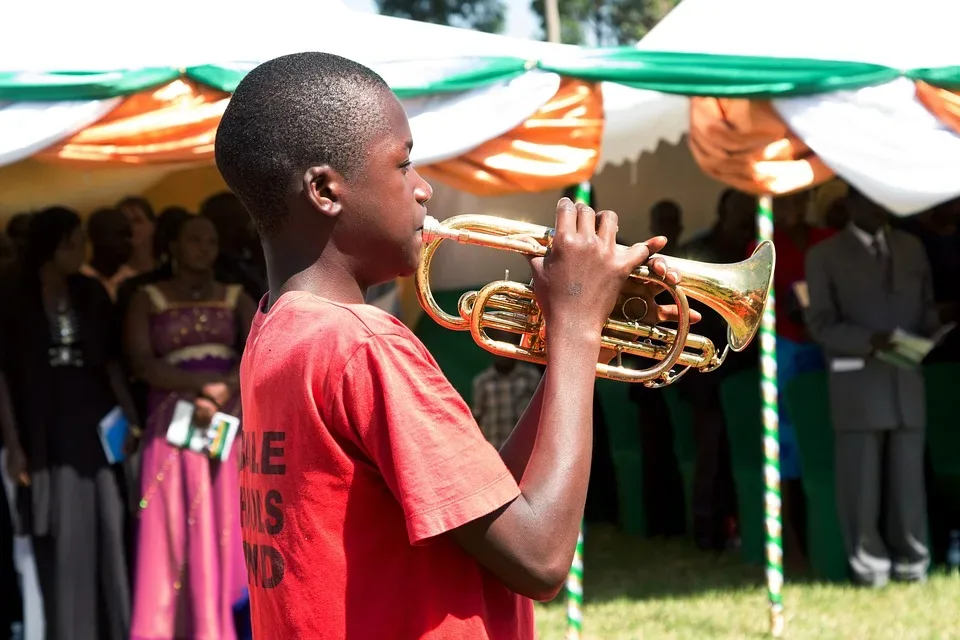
column 879, row 139
column 110, row 34
column 104, row 35
column 921, row 34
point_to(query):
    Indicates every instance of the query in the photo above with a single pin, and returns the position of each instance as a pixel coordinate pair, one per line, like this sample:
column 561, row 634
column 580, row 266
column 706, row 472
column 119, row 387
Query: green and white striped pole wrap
column 771, row 437
column 575, row 577
column 575, row 592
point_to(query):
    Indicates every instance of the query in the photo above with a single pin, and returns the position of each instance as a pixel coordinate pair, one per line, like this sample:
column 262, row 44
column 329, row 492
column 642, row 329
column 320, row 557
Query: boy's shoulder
column 303, row 317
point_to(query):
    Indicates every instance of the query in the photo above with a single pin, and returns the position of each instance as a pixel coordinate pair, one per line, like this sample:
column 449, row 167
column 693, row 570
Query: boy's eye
column 406, row 166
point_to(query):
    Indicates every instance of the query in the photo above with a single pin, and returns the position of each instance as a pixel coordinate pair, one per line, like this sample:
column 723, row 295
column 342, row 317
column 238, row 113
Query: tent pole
column 771, row 436
column 575, row 592
column 552, row 15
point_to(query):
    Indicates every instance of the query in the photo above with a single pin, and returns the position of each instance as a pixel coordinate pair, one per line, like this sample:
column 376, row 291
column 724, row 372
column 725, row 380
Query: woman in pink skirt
column 184, row 338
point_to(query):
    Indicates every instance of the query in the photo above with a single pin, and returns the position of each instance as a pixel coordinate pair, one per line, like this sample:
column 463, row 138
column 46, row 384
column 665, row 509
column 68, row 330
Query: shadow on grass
column 637, row 588
column 618, row 566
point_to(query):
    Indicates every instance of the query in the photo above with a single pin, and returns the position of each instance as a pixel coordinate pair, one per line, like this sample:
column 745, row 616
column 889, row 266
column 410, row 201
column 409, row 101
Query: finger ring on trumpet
column 634, row 308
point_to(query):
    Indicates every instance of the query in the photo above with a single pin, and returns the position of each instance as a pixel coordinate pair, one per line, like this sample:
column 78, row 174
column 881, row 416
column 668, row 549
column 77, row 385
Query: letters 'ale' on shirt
column 357, row 454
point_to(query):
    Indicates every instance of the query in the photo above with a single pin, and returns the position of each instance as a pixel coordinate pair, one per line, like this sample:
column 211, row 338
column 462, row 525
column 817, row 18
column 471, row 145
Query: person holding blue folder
column 63, row 353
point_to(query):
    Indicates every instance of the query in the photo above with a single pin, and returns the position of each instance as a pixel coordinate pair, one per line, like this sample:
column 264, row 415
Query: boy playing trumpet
column 375, row 509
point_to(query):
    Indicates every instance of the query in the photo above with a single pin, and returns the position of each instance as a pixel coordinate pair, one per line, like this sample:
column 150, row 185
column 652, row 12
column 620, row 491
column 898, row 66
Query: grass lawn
column 645, row 589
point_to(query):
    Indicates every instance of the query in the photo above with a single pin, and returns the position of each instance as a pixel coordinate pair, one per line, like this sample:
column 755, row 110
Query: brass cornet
column 738, row 292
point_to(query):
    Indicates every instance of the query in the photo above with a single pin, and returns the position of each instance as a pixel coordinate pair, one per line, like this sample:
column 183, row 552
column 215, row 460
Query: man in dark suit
column 864, row 283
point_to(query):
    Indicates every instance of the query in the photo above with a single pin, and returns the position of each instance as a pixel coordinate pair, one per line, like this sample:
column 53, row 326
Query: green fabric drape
column 488, row 71
column 220, row 77
column 943, row 77
column 56, row 87
column 697, row 74
column 692, row 74
column 485, row 71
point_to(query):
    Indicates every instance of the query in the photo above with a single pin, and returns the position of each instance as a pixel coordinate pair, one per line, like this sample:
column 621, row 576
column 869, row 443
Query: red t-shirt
column 356, row 455
column 790, row 269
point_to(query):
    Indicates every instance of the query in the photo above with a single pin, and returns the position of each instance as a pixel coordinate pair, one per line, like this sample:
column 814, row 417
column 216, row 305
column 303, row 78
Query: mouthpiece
column 433, row 230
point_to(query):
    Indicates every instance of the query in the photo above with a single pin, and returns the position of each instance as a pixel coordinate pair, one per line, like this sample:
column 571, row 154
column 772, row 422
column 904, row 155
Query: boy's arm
column 516, row 450
column 529, row 542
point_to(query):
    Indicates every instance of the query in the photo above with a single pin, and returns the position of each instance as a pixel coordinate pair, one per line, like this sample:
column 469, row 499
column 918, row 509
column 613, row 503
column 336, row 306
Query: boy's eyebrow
column 409, row 145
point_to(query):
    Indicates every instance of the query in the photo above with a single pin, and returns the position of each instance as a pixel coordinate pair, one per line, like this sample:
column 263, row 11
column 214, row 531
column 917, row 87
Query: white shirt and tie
column 873, row 242
column 876, row 244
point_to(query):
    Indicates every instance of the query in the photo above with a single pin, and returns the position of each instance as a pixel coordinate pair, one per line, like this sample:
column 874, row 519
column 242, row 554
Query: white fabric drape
column 446, row 126
column 883, row 141
column 636, row 121
column 28, row 127
column 443, row 126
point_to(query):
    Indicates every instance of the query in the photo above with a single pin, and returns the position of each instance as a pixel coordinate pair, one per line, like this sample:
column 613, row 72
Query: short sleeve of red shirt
column 421, row 435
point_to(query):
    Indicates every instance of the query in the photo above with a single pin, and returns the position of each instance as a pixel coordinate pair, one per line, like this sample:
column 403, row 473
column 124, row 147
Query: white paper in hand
column 214, row 440
column 181, row 432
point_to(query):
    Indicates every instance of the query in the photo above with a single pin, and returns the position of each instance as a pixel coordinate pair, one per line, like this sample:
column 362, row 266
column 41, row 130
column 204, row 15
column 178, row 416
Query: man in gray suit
column 864, row 283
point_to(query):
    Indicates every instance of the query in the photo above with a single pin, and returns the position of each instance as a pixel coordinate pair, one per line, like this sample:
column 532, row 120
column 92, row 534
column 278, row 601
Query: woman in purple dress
column 184, row 338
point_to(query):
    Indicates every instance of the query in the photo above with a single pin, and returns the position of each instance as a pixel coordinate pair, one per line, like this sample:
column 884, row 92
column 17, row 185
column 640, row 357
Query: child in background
column 501, row 393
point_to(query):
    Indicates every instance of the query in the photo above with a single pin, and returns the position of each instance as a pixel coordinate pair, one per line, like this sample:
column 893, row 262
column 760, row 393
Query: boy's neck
column 321, row 271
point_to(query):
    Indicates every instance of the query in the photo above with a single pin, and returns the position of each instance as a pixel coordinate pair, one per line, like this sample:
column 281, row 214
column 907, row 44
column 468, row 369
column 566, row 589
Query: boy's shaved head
column 292, row 113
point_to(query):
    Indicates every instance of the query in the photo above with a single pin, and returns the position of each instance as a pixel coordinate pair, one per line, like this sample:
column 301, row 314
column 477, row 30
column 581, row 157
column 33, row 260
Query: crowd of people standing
column 134, row 312
column 157, row 315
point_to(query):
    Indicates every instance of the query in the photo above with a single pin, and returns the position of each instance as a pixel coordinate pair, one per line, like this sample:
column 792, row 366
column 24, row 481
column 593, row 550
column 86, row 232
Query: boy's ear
column 323, row 188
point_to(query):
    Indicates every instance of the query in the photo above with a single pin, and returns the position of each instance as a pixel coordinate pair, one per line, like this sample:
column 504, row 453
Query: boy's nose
column 423, row 192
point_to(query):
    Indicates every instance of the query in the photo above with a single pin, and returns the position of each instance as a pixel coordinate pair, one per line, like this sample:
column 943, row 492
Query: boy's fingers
column 607, row 227
column 586, row 219
column 566, row 216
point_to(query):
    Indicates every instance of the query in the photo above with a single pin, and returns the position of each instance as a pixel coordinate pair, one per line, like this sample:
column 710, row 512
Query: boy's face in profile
column 384, row 201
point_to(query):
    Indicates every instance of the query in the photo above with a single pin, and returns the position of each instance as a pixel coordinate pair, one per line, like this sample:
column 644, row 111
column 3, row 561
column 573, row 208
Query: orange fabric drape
column 557, row 146
column 942, row 103
column 175, row 123
column 746, row 145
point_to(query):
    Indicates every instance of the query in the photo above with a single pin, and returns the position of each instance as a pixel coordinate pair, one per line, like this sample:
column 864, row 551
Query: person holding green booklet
column 865, row 284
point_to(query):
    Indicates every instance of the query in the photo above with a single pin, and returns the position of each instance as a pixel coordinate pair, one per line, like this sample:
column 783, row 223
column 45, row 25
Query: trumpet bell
column 738, row 291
